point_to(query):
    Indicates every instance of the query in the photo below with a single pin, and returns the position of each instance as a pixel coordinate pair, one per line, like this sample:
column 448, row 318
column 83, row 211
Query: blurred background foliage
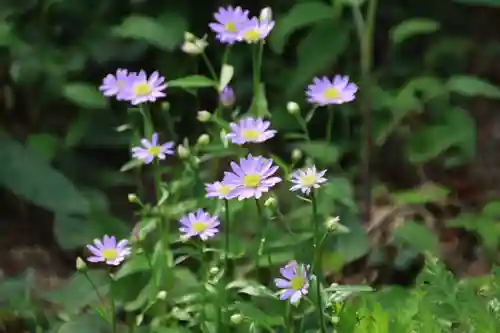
column 432, row 95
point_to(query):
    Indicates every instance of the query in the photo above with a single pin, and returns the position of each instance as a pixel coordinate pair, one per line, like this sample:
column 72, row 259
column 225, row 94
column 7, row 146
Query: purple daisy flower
column 250, row 130
column 323, row 91
column 295, row 283
column 141, row 89
column 113, row 85
column 307, row 179
column 256, row 30
column 217, row 190
column 151, row 150
column 226, row 97
column 108, row 250
column 199, row 224
column 251, row 177
column 229, row 23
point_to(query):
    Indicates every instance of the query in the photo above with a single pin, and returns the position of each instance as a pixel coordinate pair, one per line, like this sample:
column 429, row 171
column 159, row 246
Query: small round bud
column 203, row 116
column 203, row 139
column 292, row 108
column 226, row 97
column 132, row 198
column 266, row 14
column 236, row 318
column 332, row 223
column 165, row 106
column 182, row 151
column 214, row 270
column 162, row 295
column 194, row 48
column 196, row 160
column 183, row 238
column 296, row 155
column 81, row 266
column 189, row 37
column 271, row 202
column 335, row 320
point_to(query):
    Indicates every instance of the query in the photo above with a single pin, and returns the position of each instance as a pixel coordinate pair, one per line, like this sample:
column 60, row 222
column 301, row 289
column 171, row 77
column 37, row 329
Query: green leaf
column 301, row 15
column 84, row 95
column 492, row 3
column 44, row 144
column 192, row 82
column 31, row 177
column 418, row 236
column 310, row 63
column 412, row 27
column 78, row 292
column 323, row 152
column 77, row 129
column 472, row 86
column 136, row 264
column 427, row 193
column 492, row 209
column 86, row 323
column 166, row 33
column 258, row 316
column 259, row 107
column 353, row 245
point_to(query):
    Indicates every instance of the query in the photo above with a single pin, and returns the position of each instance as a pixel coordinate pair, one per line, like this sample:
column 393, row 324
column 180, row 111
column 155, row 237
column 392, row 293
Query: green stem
column 256, row 71
column 113, row 308
column 227, row 230
column 262, row 238
column 204, row 279
column 211, row 69
column 101, row 298
column 170, row 124
column 317, row 258
column 329, row 125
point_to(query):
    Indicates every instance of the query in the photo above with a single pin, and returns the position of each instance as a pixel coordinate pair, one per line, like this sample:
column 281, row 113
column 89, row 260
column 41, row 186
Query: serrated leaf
column 472, row 86
column 418, row 236
column 165, row 33
column 301, row 15
column 84, row 95
column 192, row 82
column 413, row 27
column 29, row 176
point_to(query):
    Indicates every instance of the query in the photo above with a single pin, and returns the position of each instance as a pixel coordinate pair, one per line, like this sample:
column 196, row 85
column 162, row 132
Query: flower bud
column 214, row 270
column 203, row 116
column 194, row 48
column 333, row 224
column 266, row 14
column 296, row 155
column 189, row 37
column 81, row 266
column 203, row 139
column 162, row 295
column 236, row 318
column 226, row 97
column 270, row 202
column 292, row 107
column 182, row 151
column 132, row 198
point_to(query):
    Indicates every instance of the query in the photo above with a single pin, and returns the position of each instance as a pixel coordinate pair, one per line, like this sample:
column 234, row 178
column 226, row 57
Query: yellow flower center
column 199, row 226
column 251, row 36
column 224, row 189
column 250, row 134
column 230, row 27
column 109, row 254
column 142, row 89
column 251, row 181
column 331, row 93
column 308, row 180
column 154, row 150
column 297, row 283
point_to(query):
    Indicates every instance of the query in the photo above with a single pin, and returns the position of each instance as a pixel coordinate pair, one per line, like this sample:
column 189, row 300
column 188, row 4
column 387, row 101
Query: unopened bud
column 203, row 116
column 292, row 108
column 189, row 37
column 226, row 97
column 162, row 295
column 194, row 47
column 236, row 318
column 296, row 155
column 165, row 106
column 81, row 266
column 333, row 224
column 270, row 202
column 203, row 139
column 182, row 151
column 132, row 198
column 266, row 15
column 214, row 270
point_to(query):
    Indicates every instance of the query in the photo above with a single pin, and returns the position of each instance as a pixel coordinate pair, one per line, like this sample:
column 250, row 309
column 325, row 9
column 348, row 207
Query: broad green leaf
column 192, row 82
column 301, row 15
column 492, row 3
column 84, row 95
column 77, row 129
column 166, row 33
column 86, row 323
column 492, row 209
column 258, row 316
column 412, row 27
column 16, row 291
column 138, row 263
column 44, row 144
column 323, row 152
column 427, row 193
column 472, row 86
column 31, row 177
column 353, row 245
column 418, row 236
column 78, row 292
column 310, row 63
